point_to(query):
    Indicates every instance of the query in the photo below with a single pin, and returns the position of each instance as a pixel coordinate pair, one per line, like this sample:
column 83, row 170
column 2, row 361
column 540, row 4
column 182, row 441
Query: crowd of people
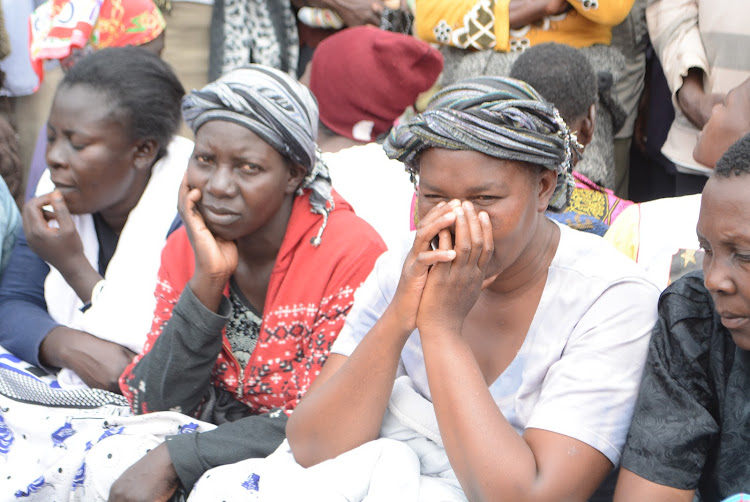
column 367, row 250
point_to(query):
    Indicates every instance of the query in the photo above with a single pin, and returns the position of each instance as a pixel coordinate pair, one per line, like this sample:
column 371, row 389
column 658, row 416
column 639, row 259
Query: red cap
column 364, row 78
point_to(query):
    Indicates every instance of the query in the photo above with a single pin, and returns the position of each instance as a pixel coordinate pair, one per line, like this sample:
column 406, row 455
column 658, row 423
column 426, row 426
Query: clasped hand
column 439, row 287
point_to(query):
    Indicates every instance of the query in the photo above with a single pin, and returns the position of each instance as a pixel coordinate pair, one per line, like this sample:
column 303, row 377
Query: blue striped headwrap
column 277, row 108
column 500, row 117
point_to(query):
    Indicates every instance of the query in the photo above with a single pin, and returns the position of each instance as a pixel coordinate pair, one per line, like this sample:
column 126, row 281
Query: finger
column 430, row 258
column 62, row 214
column 488, row 241
column 32, row 215
column 463, row 237
column 437, row 218
column 445, row 240
column 475, row 232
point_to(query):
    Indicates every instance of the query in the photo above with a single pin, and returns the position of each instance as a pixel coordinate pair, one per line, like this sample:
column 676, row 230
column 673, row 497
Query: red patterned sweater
column 310, row 291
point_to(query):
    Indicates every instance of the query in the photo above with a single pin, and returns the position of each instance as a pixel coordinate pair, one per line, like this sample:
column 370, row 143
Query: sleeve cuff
column 186, row 459
column 190, row 308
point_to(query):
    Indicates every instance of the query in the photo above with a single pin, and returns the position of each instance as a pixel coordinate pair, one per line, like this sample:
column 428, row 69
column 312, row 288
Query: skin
column 695, row 103
column 724, row 235
column 235, row 200
column 728, row 122
column 96, row 167
column 524, row 12
column 490, row 268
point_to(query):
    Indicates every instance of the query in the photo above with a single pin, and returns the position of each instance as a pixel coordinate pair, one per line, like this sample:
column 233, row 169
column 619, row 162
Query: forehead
column 462, row 169
column 725, row 208
column 83, row 105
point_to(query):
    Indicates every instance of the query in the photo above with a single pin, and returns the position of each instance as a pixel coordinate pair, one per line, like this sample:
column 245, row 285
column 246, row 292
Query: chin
column 742, row 340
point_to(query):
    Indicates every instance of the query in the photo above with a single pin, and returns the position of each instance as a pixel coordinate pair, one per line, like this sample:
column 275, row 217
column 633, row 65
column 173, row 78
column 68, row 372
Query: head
column 116, row 23
column 565, row 78
column 255, row 150
column 724, row 233
column 364, row 78
column 729, row 121
column 496, row 142
column 113, row 116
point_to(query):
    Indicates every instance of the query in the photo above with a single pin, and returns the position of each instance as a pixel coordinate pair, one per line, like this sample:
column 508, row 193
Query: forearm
column 524, row 12
column 81, row 277
column 252, row 437
column 321, row 426
column 487, row 454
column 176, row 372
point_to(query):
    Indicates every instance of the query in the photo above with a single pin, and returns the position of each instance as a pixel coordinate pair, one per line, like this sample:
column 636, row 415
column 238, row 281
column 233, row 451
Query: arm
column 10, row 222
column 607, row 12
column 672, row 428
column 351, row 12
column 360, row 385
column 674, row 32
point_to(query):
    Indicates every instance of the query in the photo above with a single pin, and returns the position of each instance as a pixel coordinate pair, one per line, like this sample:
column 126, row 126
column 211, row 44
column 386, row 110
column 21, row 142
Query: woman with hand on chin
column 76, row 292
column 254, row 289
column 526, row 338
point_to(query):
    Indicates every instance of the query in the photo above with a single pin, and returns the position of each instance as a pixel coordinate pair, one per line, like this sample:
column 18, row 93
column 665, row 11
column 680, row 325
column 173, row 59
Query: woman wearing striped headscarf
column 254, row 289
column 518, row 341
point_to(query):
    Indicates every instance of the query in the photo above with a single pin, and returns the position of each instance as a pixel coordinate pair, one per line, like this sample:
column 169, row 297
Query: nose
column 717, row 275
column 55, row 154
column 221, row 183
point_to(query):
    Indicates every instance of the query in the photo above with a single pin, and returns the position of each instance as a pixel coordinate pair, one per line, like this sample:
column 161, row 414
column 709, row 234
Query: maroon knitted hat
column 364, row 78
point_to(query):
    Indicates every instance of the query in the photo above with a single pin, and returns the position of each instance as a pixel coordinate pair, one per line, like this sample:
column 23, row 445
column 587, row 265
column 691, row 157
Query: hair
column 560, row 73
column 736, row 160
column 143, row 89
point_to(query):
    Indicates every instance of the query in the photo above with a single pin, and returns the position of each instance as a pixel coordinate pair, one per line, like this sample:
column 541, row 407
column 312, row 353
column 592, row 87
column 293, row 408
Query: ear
column 145, row 154
column 547, row 185
column 585, row 131
column 296, row 175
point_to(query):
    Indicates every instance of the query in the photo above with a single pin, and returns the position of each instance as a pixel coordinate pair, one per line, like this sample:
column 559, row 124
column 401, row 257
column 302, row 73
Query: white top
column 660, row 236
column 579, row 368
column 377, row 187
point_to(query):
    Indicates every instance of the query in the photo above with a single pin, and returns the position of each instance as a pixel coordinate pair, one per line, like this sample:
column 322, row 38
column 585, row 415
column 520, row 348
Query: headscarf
column 59, row 27
column 498, row 116
column 277, row 108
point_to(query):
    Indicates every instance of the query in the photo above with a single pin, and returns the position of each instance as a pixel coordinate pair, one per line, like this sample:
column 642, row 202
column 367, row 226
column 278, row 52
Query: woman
column 690, row 432
column 498, row 355
column 254, row 290
column 77, row 293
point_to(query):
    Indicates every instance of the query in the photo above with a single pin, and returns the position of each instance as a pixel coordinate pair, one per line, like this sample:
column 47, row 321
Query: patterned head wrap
column 500, row 117
column 61, row 28
column 277, row 108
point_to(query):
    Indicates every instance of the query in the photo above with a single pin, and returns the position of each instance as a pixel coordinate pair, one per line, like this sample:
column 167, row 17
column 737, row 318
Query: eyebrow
column 474, row 189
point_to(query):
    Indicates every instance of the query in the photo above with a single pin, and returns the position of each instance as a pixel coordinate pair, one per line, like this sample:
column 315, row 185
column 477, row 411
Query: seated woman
column 690, row 433
column 77, row 293
column 498, row 338
column 254, row 289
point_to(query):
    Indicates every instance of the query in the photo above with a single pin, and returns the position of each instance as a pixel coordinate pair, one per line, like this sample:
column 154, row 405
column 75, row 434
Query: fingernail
column 459, row 211
column 468, row 205
column 484, row 217
column 441, row 204
column 455, row 203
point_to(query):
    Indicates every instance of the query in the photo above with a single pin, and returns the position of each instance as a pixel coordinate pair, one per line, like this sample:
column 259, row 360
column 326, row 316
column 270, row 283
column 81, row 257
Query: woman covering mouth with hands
column 525, row 338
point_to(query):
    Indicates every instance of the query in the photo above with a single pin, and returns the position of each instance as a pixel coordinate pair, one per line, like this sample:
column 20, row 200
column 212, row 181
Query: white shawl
column 124, row 310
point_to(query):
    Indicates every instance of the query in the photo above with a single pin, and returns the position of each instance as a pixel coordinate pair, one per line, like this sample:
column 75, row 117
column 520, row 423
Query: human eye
column 743, row 256
column 485, row 199
column 249, row 168
column 203, row 159
column 705, row 246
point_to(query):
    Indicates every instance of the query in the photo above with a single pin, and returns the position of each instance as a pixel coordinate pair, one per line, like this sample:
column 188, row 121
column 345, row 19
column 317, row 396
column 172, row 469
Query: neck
column 533, row 263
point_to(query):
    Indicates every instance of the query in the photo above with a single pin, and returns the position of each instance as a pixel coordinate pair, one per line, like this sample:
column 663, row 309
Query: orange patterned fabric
column 57, row 27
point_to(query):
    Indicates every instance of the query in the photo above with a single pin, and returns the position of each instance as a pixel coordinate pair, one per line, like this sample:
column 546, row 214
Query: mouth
column 218, row 215
column 64, row 187
column 733, row 321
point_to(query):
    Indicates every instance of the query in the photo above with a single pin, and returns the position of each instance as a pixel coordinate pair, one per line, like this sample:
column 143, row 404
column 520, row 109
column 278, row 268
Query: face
column 513, row 194
column 92, row 159
column 730, row 120
column 245, row 183
column 724, row 233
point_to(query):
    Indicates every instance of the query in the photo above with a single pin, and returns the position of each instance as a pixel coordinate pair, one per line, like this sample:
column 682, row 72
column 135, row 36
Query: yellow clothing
column 484, row 24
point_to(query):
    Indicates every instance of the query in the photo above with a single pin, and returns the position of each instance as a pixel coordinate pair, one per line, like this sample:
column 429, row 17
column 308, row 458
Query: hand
column 98, row 362
column 215, row 258
column 357, row 12
column 453, row 287
column 151, row 479
column 405, row 303
column 61, row 247
column 693, row 100
column 524, row 12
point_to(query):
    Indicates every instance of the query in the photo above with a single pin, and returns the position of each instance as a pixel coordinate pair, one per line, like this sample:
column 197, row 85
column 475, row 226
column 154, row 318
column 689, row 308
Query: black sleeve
column 176, row 373
column 255, row 436
column 672, row 428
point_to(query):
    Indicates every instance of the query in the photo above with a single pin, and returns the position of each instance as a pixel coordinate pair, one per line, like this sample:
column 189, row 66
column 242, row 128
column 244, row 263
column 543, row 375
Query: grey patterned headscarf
column 277, row 108
column 500, row 117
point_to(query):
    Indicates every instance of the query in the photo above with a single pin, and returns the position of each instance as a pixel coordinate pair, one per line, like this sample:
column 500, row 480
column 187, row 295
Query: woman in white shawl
column 77, row 293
